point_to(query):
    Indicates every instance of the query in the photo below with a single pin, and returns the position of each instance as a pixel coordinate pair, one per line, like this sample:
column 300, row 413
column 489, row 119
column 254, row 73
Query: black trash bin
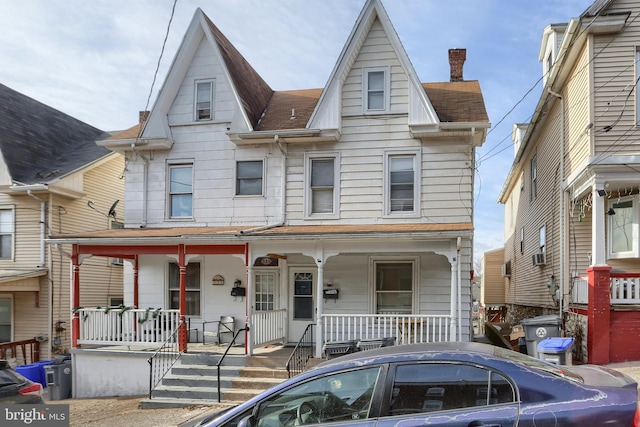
column 59, row 377
column 338, row 348
column 538, row 328
column 371, row 343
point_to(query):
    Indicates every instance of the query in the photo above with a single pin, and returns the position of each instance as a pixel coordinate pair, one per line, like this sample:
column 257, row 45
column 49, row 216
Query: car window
column 7, row 378
column 332, row 398
column 428, row 387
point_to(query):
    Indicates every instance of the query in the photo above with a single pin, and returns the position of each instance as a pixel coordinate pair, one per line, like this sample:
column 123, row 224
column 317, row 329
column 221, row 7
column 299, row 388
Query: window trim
column 387, row 88
column 415, row 280
column 211, row 99
column 308, row 193
column 12, row 233
column 176, row 164
column 635, row 229
column 262, row 178
column 416, row 183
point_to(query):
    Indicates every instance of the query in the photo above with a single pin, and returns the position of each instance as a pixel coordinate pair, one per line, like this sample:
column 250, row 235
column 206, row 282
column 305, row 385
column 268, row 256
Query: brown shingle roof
column 457, row 101
column 278, row 115
column 132, row 132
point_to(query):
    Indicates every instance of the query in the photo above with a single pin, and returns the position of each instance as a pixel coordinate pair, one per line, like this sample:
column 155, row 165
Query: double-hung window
column 534, row 178
column 7, row 231
column 249, row 178
column 181, row 190
column 192, row 287
column 375, row 89
column 623, row 228
column 204, row 100
column 394, row 283
column 322, row 184
column 402, row 186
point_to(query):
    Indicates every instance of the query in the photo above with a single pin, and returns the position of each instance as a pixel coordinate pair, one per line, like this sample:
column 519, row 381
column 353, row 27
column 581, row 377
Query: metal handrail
column 302, row 352
column 167, row 355
column 225, row 355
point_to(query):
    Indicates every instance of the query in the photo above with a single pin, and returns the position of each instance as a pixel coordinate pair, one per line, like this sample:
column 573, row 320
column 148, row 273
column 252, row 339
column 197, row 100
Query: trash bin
column 43, row 376
column 338, row 348
column 59, row 379
column 538, row 328
column 30, row 372
column 556, row 350
column 371, row 343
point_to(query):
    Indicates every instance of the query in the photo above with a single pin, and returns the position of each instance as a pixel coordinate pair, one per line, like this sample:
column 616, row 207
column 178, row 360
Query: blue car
column 442, row 384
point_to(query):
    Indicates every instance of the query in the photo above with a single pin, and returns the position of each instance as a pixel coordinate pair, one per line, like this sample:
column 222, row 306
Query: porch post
column 453, row 328
column 598, row 241
column 135, row 282
column 182, row 328
column 599, row 314
column 248, row 335
column 75, row 296
column 319, row 308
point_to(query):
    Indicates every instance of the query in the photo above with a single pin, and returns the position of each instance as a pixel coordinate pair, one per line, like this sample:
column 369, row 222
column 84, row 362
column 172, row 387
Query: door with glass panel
column 301, row 302
column 5, row 319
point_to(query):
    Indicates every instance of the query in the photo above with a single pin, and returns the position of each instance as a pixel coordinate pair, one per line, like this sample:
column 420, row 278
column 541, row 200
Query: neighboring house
column 492, row 285
column 572, row 195
column 345, row 210
column 51, row 170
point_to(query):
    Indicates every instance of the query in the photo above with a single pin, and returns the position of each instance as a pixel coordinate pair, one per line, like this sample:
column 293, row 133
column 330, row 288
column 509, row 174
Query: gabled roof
column 595, row 8
column 457, row 102
column 40, row 144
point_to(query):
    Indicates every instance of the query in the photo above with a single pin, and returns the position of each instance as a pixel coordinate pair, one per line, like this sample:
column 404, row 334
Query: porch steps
column 193, row 381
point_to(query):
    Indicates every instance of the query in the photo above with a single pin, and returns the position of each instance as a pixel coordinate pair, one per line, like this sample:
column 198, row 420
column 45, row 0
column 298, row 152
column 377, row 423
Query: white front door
column 301, row 301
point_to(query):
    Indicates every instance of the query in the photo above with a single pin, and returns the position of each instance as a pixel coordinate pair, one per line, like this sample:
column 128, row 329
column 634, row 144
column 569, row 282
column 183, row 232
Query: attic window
column 204, row 100
column 375, row 89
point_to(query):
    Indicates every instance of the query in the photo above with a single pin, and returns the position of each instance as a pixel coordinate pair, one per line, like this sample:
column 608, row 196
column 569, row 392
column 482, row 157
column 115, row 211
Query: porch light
column 602, row 193
column 611, row 212
column 237, row 283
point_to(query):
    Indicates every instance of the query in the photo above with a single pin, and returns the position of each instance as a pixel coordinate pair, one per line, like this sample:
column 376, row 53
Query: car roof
column 411, row 351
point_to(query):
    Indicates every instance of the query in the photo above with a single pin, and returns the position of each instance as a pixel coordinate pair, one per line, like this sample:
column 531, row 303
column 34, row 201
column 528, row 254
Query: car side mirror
column 247, row 422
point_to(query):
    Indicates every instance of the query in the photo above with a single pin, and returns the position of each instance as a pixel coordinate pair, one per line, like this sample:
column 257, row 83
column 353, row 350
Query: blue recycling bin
column 556, row 350
column 30, row 372
column 43, row 376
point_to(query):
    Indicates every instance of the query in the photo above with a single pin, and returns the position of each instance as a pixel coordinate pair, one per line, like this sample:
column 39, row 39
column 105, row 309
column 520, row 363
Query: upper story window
column 402, row 183
column 375, row 89
column 204, row 100
column 543, row 238
column 7, row 231
column 321, row 189
column 249, row 177
column 637, row 78
column 534, row 178
column 623, row 228
column 521, row 240
column 181, row 190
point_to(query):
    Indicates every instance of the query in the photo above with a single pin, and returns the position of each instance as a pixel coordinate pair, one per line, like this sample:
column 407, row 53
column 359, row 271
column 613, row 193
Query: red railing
column 25, row 352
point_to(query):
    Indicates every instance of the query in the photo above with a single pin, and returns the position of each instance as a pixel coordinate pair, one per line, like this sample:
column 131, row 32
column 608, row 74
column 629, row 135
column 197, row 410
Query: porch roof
column 247, row 233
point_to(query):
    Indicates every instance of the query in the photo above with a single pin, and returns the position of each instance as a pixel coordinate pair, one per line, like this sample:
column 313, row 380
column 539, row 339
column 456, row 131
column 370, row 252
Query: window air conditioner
column 539, row 259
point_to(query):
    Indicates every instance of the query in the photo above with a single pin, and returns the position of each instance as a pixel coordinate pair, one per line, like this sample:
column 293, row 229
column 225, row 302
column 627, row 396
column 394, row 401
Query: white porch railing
column 126, row 327
column 406, row 329
column 268, row 327
column 625, row 289
column 580, row 290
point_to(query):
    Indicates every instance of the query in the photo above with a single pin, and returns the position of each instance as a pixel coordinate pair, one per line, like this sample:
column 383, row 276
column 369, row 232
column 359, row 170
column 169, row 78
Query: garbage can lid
column 555, row 344
column 543, row 320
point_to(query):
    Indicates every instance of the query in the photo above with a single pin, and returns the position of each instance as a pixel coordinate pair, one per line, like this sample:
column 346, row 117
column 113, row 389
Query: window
column 193, row 287
column 321, row 177
column 204, row 100
column 303, row 296
column 181, row 191
column 622, row 237
column 427, row 387
column 6, row 233
column 249, row 178
column 265, row 288
column 5, row 319
column 543, row 238
column 340, row 399
column 402, row 183
column 637, row 78
column 394, row 287
column 521, row 240
column 534, row 178
column 375, row 89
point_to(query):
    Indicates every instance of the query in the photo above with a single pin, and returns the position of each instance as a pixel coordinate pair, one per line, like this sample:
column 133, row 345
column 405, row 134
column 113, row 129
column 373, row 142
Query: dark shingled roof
column 39, row 143
column 595, row 8
column 253, row 90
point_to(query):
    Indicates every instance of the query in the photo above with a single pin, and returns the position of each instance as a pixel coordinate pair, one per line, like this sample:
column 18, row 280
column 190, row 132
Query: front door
column 301, row 302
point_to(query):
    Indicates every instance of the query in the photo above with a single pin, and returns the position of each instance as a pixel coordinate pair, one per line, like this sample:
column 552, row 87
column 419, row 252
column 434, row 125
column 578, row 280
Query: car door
column 448, row 394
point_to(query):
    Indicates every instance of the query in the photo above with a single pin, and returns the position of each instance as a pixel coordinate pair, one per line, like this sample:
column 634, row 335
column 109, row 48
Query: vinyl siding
column 577, row 114
column 493, row 283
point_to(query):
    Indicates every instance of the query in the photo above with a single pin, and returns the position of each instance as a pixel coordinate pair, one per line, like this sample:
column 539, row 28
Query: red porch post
column 182, row 331
column 599, row 314
column 75, row 295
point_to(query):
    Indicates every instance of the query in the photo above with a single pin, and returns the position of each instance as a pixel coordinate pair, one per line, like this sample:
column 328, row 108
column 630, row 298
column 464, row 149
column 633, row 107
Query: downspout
column 459, row 280
column 42, row 228
column 43, row 260
column 562, row 200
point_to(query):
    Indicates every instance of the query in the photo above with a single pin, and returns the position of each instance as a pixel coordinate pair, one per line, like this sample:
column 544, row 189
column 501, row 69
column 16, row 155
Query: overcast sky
column 96, row 59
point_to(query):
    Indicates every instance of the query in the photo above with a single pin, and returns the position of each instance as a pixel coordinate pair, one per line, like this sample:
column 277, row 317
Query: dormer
column 552, row 37
column 517, row 135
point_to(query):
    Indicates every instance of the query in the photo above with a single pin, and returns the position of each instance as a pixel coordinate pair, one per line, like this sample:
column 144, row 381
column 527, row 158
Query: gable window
column 321, row 189
column 181, row 190
column 375, row 89
column 204, row 100
column 394, row 287
column 193, row 287
column 6, row 233
column 402, row 183
column 249, row 178
column 534, row 178
column 623, row 228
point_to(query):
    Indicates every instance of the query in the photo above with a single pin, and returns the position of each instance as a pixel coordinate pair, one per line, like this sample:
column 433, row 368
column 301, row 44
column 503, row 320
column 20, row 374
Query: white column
column 319, row 308
column 598, row 242
column 249, row 309
column 454, row 298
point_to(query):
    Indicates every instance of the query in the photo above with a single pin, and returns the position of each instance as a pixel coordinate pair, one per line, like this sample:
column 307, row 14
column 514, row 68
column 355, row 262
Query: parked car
column 14, row 388
column 443, row 384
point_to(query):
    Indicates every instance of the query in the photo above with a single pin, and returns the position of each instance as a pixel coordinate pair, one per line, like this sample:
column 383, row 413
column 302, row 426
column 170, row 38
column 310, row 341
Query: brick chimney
column 456, row 61
column 143, row 116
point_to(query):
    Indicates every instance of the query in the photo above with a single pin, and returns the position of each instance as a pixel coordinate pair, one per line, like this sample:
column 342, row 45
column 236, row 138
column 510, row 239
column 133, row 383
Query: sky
column 96, row 60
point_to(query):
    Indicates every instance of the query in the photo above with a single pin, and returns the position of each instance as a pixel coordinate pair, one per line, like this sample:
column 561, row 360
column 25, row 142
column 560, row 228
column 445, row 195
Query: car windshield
column 537, row 364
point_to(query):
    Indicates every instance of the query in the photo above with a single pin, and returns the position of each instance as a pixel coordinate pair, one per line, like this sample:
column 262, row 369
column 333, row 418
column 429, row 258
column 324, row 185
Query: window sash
column 249, row 178
column 193, row 288
column 621, row 227
column 322, row 185
column 534, row 177
column 376, row 90
column 394, row 287
column 401, row 183
column 6, row 233
column 204, row 100
column 265, row 291
column 181, row 191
